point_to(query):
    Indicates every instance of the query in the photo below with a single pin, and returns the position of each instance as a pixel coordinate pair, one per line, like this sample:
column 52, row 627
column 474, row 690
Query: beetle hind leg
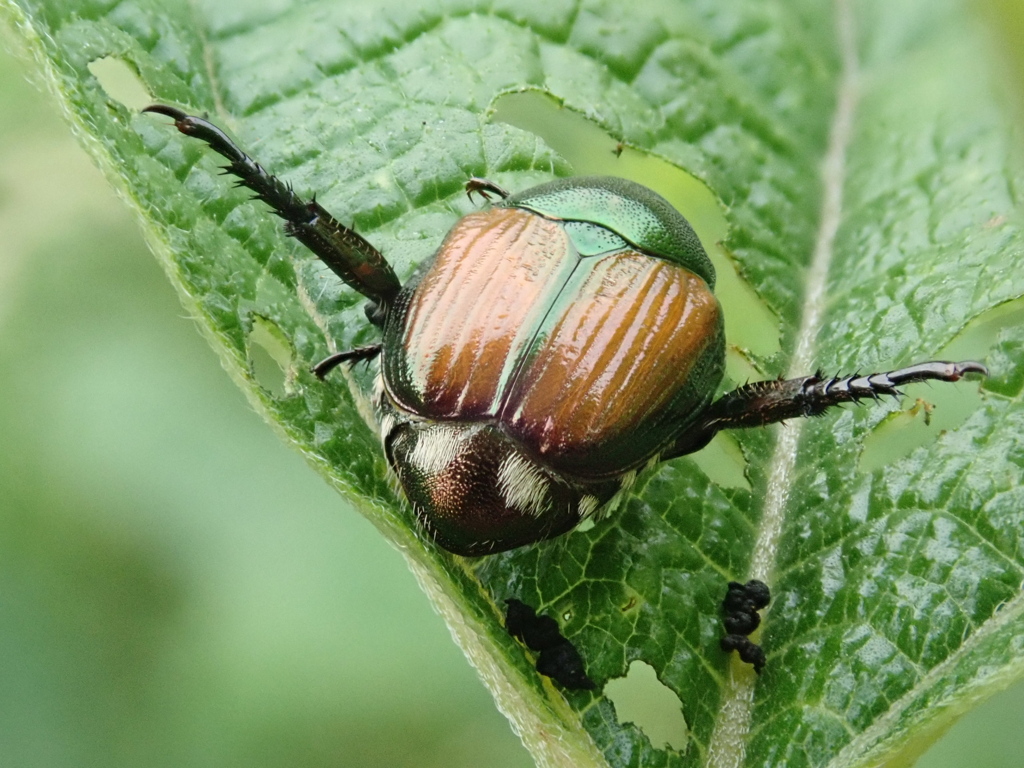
column 767, row 402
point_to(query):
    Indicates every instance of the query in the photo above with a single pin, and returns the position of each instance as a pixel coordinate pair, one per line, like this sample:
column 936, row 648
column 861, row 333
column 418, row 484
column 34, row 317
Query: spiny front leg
column 767, row 402
column 345, row 252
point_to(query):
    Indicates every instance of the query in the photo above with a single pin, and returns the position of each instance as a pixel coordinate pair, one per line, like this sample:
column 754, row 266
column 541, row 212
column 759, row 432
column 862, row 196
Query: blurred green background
column 242, row 616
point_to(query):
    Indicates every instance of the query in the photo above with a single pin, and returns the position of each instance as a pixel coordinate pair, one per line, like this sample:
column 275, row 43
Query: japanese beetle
column 558, row 342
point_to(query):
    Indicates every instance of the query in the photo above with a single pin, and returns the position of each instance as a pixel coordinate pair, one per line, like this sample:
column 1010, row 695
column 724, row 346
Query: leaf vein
column 732, row 727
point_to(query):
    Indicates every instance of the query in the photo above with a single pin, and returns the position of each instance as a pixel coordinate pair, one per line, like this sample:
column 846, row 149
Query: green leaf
column 871, row 191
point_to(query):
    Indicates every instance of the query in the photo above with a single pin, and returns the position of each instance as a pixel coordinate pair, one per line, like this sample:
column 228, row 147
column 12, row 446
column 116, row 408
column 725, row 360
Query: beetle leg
column 348, row 254
column 329, row 363
column 767, row 402
column 485, row 188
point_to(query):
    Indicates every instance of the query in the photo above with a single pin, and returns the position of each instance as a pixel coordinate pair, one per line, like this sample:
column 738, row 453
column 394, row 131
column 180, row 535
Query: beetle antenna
column 349, row 255
column 768, row 402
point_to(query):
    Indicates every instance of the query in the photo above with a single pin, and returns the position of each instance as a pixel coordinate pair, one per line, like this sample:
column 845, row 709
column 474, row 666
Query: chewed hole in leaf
column 722, row 461
column 739, row 368
column 931, row 409
column 640, row 698
column 589, row 149
column 981, row 334
column 270, row 356
column 1006, row 363
column 927, row 412
column 121, row 82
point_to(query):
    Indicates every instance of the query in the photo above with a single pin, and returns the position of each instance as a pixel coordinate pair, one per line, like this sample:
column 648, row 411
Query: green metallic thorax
column 640, row 216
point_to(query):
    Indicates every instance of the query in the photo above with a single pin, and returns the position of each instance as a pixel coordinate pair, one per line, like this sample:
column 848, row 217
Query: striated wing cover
column 593, row 363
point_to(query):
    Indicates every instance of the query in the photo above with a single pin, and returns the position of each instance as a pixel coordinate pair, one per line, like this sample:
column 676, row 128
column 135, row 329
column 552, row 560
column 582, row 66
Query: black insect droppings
column 741, row 605
column 750, row 652
column 557, row 658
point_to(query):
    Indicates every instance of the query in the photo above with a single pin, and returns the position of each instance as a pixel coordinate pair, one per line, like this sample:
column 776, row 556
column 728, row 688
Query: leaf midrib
column 727, row 746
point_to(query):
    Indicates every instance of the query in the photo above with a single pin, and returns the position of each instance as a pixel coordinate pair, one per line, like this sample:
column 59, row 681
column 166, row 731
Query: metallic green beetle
column 558, row 342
